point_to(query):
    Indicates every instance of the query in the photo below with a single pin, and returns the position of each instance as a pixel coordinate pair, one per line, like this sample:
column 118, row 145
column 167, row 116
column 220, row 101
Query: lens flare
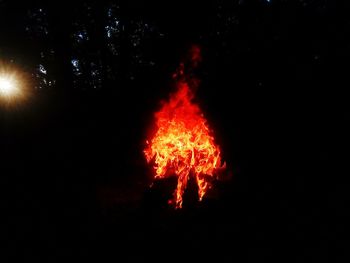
column 8, row 86
column 13, row 86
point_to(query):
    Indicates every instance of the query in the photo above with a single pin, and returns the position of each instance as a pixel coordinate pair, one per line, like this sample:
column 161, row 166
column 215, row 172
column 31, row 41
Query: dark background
column 274, row 79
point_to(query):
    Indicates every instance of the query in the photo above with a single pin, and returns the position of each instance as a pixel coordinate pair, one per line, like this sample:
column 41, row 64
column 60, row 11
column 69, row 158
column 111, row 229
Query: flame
column 183, row 144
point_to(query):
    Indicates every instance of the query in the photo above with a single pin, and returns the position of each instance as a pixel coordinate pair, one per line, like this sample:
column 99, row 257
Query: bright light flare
column 8, row 86
column 13, row 86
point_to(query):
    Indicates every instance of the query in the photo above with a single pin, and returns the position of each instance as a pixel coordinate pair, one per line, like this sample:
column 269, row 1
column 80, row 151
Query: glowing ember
column 183, row 144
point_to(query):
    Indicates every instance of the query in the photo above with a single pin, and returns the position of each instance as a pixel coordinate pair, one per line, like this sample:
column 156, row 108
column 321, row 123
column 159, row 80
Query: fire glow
column 183, row 144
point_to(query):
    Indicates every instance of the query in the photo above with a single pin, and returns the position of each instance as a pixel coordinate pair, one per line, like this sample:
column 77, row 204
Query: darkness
column 274, row 79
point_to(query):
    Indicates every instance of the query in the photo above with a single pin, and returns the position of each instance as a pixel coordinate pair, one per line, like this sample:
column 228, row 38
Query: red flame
column 183, row 143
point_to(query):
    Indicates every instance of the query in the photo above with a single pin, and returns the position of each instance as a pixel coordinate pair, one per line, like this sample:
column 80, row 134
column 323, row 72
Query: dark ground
column 75, row 184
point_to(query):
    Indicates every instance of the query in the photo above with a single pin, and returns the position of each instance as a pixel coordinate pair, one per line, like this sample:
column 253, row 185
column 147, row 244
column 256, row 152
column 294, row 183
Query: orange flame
column 183, row 143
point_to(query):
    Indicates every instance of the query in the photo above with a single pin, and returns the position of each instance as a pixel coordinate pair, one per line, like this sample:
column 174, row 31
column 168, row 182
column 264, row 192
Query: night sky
column 274, row 80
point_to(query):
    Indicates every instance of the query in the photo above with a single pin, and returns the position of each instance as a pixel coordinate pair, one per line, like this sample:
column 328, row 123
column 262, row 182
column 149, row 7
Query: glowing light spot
column 42, row 69
column 13, row 87
column 8, row 86
column 75, row 63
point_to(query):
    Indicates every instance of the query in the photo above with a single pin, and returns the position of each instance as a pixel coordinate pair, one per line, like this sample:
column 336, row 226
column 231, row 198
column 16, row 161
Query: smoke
column 186, row 72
